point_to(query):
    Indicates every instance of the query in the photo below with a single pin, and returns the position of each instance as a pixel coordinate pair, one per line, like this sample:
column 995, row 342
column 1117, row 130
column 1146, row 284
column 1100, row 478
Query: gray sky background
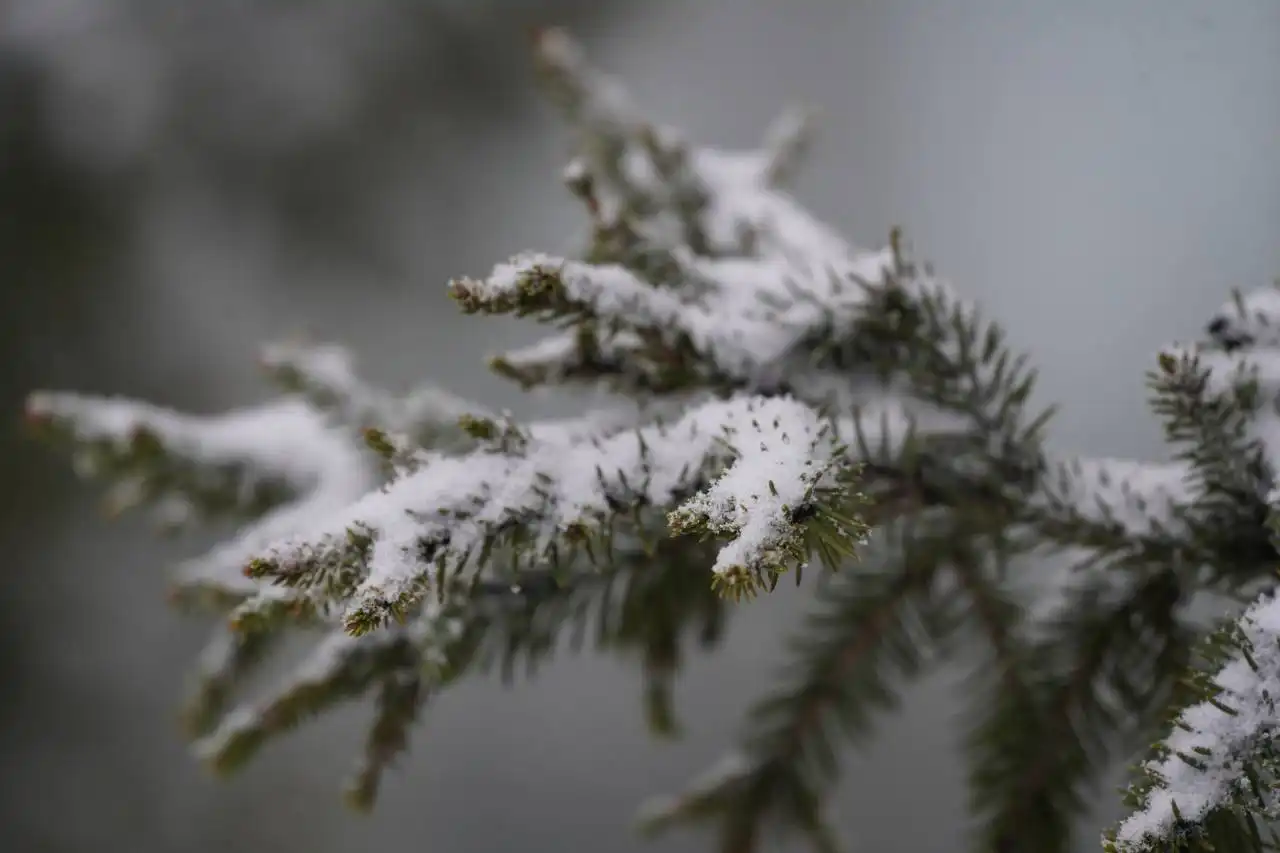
column 1098, row 174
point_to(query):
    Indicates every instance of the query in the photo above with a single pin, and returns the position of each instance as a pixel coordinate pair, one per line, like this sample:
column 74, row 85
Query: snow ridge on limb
column 325, row 375
column 748, row 468
column 1223, row 755
column 239, row 464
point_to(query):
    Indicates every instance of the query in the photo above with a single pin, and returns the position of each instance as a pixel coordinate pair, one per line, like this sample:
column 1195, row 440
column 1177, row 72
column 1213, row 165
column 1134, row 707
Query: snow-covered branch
column 759, row 460
column 326, row 376
column 787, row 392
column 1223, row 752
column 243, row 462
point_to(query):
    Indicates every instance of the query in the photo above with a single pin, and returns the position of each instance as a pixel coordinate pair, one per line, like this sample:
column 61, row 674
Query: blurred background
column 181, row 181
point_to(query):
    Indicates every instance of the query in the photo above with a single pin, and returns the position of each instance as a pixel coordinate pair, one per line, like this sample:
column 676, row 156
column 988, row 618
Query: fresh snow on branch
column 282, row 439
column 326, row 375
column 277, row 466
column 1251, row 319
column 737, row 324
column 180, row 460
column 1139, row 498
column 1216, row 745
column 774, row 453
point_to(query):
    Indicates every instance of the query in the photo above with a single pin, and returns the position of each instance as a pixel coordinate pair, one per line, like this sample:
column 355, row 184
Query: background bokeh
column 180, row 181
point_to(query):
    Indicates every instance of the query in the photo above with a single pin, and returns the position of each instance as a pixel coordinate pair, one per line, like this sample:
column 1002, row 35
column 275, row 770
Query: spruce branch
column 735, row 330
column 1220, row 417
column 786, row 144
column 1113, row 506
column 1099, row 675
column 1248, row 320
column 398, row 701
column 1208, row 784
column 182, row 466
column 791, row 398
column 872, row 628
column 650, row 603
column 229, row 657
column 743, row 468
column 588, row 355
column 340, row 668
column 325, row 376
column 1212, row 783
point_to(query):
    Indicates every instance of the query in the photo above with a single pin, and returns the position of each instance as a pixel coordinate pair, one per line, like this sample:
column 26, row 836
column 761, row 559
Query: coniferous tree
column 781, row 396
